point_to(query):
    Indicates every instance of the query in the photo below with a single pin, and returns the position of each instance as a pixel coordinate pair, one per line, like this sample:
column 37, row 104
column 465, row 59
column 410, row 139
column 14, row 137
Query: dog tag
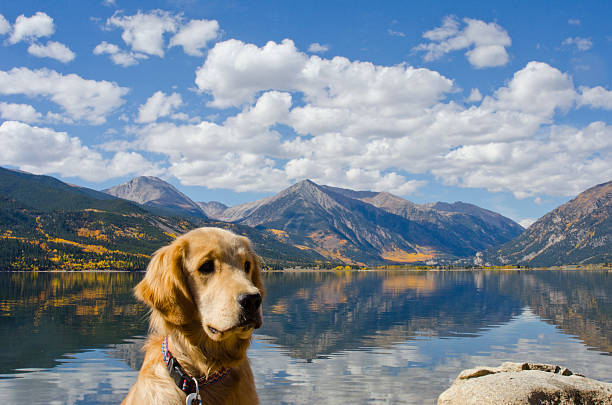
column 193, row 399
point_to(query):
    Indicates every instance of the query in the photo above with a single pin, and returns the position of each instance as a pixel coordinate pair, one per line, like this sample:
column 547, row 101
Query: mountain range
column 47, row 224
column 355, row 227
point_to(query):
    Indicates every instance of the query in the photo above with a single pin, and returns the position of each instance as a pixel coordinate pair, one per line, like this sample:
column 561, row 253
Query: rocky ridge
column 366, row 226
column 155, row 192
column 577, row 232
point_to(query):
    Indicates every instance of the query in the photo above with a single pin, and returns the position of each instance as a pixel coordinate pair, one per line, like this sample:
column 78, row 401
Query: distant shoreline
column 555, row 268
column 402, row 269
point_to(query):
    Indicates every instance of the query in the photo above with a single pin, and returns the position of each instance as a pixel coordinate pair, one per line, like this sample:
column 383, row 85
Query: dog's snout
column 250, row 302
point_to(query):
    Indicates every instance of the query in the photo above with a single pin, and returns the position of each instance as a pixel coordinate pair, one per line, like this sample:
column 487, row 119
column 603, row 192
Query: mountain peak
column 155, row 192
column 306, row 184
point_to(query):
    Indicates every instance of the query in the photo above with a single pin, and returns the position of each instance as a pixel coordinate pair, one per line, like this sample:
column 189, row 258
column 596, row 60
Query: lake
column 396, row 337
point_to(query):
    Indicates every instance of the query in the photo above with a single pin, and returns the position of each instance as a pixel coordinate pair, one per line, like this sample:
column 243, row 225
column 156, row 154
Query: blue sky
column 505, row 106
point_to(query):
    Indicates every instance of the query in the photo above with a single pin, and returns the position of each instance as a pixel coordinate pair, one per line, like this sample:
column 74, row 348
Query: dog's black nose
column 250, row 302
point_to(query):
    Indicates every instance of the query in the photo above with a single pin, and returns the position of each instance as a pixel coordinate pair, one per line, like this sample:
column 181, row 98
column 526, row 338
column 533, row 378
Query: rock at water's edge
column 525, row 383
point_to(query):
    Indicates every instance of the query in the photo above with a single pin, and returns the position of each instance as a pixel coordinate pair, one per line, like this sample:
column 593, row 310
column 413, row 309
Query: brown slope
column 579, row 231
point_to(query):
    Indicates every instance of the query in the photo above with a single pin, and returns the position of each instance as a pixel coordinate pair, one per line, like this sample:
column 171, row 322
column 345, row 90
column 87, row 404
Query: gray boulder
column 525, row 383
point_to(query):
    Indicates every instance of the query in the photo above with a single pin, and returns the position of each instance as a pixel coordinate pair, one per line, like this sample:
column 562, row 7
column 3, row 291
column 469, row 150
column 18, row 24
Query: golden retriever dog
column 205, row 293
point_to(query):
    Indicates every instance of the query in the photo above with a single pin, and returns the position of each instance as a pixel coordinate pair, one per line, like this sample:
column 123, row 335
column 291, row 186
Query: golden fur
column 199, row 312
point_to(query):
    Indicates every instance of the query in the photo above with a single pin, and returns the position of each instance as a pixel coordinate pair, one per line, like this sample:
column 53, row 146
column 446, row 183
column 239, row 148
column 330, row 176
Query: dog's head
column 206, row 283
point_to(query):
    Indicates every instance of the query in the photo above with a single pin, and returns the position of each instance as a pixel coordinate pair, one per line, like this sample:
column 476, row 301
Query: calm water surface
column 331, row 338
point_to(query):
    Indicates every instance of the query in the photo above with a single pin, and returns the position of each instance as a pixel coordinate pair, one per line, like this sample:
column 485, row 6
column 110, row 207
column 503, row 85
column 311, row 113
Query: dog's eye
column 207, row 267
column 247, row 266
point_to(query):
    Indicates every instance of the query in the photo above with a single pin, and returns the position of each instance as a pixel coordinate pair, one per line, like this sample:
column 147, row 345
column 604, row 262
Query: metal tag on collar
column 194, row 398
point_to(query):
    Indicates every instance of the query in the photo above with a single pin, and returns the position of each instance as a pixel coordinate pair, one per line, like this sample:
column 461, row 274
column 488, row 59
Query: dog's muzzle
column 251, row 310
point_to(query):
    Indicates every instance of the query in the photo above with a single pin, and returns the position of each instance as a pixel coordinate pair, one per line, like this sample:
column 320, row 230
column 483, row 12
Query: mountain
column 46, row 224
column 364, row 227
column 212, row 209
column 577, row 232
column 154, row 192
column 472, row 227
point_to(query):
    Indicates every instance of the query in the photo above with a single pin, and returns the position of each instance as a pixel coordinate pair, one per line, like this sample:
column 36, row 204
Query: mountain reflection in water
column 314, row 314
column 403, row 333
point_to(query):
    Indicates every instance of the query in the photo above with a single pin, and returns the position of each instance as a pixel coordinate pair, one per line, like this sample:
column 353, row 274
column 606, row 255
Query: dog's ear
column 164, row 286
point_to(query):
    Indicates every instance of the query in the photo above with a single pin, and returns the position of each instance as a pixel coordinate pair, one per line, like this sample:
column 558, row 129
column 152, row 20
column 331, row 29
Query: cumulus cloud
column 144, row 32
column 117, row 55
column 582, row 44
column 565, row 162
column 235, row 72
column 31, row 28
column 359, row 125
column 596, row 97
column 537, row 89
column 53, row 50
column 573, row 21
column 158, row 105
column 5, row 26
column 195, row 35
column 42, row 150
column 19, row 112
column 124, row 163
column 81, row 99
column 318, row 48
column 45, row 151
column 485, row 43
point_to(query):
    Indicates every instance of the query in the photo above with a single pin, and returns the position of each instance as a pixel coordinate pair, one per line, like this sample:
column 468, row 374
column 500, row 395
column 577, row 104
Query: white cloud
column 359, row 125
column 157, row 106
column 124, row 163
column 537, row 89
column 117, row 55
column 474, row 96
column 19, row 112
column 80, row 98
column 582, row 44
column 144, row 32
column 596, row 97
column 235, row 72
column 486, row 43
column 565, row 162
column 239, row 154
column 526, row 222
column 52, row 49
column 195, row 35
column 573, row 21
column 318, row 48
column 42, row 150
column 487, row 56
column 5, row 26
column 45, row 151
column 30, row 28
